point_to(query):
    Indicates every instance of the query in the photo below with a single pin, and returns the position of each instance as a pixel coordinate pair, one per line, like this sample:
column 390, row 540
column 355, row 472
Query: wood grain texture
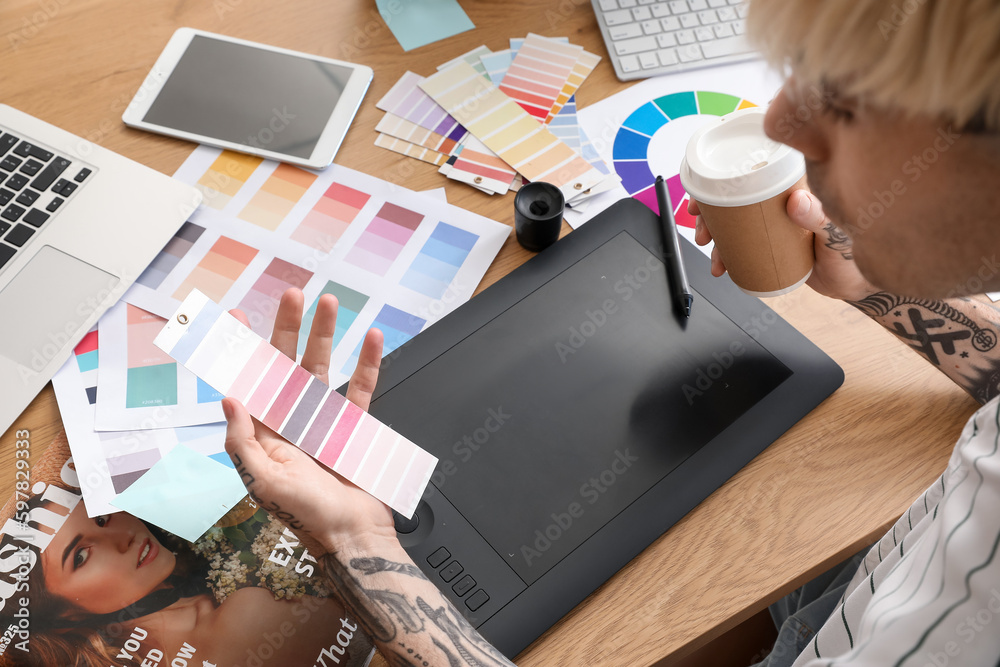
column 830, row 485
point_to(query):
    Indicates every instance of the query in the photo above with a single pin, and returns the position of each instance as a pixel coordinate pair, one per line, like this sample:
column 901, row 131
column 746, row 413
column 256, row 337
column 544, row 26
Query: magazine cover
column 114, row 591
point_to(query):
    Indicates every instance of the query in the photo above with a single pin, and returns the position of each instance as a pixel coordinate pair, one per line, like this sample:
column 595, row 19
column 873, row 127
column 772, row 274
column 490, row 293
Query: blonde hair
column 923, row 57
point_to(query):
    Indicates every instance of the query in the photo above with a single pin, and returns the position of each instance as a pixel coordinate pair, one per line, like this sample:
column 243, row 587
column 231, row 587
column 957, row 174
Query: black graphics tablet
column 577, row 417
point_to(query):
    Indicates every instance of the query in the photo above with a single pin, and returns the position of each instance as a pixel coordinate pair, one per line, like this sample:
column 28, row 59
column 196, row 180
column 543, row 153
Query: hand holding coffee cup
column 741, row 181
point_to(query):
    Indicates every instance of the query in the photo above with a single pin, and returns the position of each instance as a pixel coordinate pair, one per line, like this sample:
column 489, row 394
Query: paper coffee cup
column 742, row 180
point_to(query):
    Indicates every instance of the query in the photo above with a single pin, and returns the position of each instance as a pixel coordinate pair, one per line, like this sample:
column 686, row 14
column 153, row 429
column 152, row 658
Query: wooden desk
column 811, row 499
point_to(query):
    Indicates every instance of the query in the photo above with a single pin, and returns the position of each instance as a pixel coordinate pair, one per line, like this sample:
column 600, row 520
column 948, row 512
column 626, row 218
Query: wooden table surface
column 833, row 483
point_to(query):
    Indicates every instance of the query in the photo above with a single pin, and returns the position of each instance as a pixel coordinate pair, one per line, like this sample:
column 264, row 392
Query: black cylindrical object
column 538, row 215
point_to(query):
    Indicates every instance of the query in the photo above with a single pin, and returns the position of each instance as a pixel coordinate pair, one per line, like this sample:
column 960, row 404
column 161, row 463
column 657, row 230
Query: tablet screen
column 557, row 414
column 250, row 96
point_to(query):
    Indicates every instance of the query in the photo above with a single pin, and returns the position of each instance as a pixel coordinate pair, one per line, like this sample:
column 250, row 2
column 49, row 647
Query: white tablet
column 249, row 97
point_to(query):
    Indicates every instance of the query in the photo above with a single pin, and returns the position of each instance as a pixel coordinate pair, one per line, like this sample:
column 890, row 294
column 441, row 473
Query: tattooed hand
column 316, row 504
column 834, row 275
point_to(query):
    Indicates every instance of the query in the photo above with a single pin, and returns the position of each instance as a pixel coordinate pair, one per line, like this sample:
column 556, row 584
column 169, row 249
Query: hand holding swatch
column 228, row 356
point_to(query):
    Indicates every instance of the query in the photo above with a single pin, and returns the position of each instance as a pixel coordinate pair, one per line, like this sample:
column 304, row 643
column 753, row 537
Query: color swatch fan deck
column 489, row 119
column 224, row 353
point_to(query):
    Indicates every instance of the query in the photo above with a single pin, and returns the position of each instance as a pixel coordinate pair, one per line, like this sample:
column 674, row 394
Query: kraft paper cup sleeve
column 765, row 253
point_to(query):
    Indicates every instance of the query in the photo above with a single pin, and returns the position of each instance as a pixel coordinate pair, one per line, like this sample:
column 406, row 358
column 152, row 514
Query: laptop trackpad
column 47, row 303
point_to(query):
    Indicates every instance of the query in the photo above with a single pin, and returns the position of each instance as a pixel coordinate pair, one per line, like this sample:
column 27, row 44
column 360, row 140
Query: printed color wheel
column 631, row 147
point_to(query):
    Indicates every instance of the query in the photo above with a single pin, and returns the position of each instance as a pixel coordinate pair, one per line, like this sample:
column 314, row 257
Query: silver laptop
column 78, row 224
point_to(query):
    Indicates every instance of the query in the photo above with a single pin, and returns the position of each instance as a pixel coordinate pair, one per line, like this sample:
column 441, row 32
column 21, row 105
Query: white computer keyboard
column 649, row 37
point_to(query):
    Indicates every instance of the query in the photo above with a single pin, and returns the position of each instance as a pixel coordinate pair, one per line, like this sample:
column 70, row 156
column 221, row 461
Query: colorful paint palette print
column 171, row 255
column 350, row 303
column 230, row 171
column 152, row 375
column 261, row 303
column 536, row 77
column 397, row 328
column 384, row 238
column 408, row 101
column 276, row 198
column 284, row 396
column 631, row 143
column 218, row 269
column 86, row 359
column 330, row 217
column 439, row 260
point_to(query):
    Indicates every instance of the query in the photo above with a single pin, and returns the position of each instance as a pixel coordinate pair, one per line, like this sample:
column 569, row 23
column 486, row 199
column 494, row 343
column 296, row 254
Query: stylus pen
column 675, row 264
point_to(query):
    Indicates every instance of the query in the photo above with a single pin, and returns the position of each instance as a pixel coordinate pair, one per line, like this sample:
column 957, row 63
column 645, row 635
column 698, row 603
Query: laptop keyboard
column 650, row 37
column 34, row 185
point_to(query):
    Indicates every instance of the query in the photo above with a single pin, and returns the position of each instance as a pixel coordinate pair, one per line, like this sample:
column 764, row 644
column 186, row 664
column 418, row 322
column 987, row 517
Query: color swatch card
column 285, row 397
column 337, row 231
column 406, row 100
column 141, row 387
column 507, row 129
column 538, row 73
column 109, row 462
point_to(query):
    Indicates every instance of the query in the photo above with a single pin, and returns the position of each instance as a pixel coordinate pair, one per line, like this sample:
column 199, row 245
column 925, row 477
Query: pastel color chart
column 507, row 129
column 330, row 217
column 384, row 238
column 477, row 165
column 401, row 128
column 276, row 198
column 86, row 359
column 224, row 178
column 407, row 100
column 350, row 302
column 86, row 352
column 397, row 328
column 288, row 399
column 225, row 261
column 439, row 260
column 410, row 150
column 171, row 255
column 152, row 375
column 126, row 464
column 631, row 143
column 261, row 303
column 538, row 73
column 581, row 70
column 473, row 58
column 497, row 64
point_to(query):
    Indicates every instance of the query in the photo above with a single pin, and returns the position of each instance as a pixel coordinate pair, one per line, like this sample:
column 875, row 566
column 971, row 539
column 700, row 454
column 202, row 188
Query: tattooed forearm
column 413, row 623
column 958, row 336
column 374, row 565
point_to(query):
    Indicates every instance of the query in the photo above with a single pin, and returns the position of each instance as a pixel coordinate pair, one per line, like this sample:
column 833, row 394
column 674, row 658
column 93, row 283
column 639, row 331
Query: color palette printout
column 649, row 126
column 287, row 398
column 111, row 461
column 140, row 386
column 366, row 236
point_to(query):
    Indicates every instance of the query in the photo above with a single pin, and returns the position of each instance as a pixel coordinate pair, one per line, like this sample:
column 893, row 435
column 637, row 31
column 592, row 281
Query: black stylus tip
column 688, row 301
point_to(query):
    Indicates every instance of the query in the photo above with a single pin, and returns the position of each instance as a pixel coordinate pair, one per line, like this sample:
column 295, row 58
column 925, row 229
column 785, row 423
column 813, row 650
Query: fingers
column 365, row 376
column 241, row 444
column 693, row 208
column 718, row 268
column 806, row 211
column 701, row 234
column 287, row 321
column 319, row 346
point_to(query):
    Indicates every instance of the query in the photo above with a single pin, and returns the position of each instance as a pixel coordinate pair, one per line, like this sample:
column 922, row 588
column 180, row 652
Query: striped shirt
column 928, row 594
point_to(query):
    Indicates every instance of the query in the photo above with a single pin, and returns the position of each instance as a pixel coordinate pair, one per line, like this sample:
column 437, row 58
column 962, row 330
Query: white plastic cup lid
column 732, row 162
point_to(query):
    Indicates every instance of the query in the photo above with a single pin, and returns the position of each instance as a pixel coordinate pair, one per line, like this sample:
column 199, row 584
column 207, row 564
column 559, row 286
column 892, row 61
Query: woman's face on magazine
column 106, row 563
